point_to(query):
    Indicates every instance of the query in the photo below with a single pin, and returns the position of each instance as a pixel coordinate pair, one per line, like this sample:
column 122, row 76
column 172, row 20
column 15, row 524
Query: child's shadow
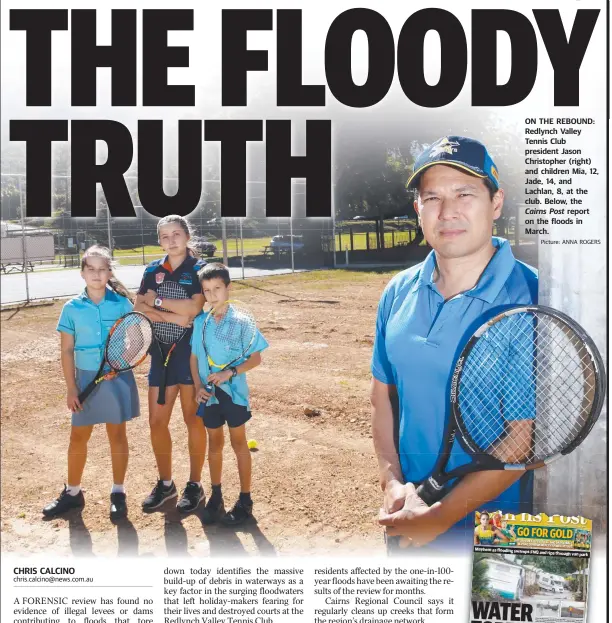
column 175, row 535
column 79, row 536
column 81, row 543
column 224, row 541
column 127, row 538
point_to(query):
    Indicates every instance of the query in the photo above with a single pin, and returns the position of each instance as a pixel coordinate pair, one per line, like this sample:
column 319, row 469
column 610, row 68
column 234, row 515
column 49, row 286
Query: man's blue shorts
column 215, row 416
column 179, row 372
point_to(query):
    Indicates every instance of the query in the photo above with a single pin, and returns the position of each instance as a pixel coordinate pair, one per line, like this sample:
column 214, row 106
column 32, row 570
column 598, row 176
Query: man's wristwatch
column 158, row 302
column 234, row 371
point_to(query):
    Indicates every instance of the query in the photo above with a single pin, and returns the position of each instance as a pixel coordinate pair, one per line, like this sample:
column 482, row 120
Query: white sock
column 167, row 483
column 73, row 490
column 118, row 488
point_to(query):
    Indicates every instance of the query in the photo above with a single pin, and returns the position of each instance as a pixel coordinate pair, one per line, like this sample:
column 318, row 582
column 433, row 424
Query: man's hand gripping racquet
column 527, row 389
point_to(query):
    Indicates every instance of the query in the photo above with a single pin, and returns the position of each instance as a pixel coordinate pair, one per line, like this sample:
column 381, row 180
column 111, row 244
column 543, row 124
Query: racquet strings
column 233, row 333
column 168, row 332
column 527, row 388
column 129, row 343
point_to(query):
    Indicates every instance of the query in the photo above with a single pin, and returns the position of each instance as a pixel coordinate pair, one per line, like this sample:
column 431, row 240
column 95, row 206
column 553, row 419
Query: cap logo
column 494, row 173
column 443, row 146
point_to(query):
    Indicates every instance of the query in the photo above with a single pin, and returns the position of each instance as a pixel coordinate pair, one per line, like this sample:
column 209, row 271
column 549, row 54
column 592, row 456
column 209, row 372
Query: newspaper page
column 530, row 567
column 289, row 292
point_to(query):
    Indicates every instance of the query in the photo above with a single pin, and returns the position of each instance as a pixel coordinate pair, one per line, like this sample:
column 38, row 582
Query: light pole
column 23, row 242
column 224, row 240
column 241, row 249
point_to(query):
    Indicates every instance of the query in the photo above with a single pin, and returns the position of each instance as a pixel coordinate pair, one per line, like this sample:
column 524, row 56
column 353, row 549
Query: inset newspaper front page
column 530, row 568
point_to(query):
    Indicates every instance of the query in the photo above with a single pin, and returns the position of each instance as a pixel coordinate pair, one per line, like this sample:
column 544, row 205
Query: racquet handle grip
column 161, row 395
column 430, row 491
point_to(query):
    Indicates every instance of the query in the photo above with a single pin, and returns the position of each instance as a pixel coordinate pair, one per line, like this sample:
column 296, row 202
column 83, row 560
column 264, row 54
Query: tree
column 579, row 583
column 10, row 199
column 550, row 564
column 372, row 182
column 480, row 580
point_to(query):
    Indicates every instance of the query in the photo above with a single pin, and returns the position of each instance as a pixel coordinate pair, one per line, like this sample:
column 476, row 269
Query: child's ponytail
column 118, row 287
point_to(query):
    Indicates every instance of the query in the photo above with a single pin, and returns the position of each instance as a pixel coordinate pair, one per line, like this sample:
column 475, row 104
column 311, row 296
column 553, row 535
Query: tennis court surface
column 314, row 477
column 48, row 284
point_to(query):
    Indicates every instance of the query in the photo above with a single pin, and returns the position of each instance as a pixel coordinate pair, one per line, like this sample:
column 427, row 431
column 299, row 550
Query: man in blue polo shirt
column 425, row 316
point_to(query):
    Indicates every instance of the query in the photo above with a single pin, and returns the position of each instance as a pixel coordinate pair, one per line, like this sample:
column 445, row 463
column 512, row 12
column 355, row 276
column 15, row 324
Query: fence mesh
column 37, row 252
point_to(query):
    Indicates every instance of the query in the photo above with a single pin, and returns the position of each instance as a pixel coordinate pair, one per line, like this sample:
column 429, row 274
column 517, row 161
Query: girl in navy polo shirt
column 84, row 325
column 180, row 265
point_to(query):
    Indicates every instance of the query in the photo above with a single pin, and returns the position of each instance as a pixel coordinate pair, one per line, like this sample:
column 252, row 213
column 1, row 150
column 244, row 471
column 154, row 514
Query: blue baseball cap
column 462, row 153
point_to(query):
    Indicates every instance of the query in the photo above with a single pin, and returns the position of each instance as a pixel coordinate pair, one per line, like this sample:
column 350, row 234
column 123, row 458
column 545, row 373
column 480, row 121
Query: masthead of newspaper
column 530, row 567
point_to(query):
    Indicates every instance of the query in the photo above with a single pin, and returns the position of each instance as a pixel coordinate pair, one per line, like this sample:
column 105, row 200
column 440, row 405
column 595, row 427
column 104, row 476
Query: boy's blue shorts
column 215, row 416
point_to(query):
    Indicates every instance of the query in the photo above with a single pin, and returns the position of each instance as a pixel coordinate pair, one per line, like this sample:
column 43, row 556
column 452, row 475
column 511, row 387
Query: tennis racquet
column 126, row 347
column 168, row 334
column 232, row 328
column 526, row 390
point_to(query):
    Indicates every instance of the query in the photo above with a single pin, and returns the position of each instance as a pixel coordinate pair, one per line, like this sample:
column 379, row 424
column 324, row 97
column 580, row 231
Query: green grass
column 254, row 246
column 321, row 279
column 360, row 243
column 372, row 222
column 137, row 259
column 149, row 249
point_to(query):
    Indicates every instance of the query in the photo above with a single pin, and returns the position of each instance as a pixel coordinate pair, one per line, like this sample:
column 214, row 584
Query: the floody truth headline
column 387, row 55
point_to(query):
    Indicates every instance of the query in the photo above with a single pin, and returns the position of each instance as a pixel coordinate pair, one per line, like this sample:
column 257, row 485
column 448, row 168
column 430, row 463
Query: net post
column 291, row 238
column 224, row 240
column 142, row 235
column 23, row 241
column 333, row 215
column 109, row 227
column 236, row 234
column 241, row 249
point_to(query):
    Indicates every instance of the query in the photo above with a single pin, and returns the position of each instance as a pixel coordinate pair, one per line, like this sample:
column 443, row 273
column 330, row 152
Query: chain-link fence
column 38, row 253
